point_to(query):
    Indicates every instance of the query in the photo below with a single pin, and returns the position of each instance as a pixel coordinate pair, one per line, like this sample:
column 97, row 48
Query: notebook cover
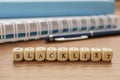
column 54, row 8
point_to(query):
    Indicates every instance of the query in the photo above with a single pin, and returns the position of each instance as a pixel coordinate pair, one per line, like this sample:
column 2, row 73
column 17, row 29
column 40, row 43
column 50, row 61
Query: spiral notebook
column 12, row 30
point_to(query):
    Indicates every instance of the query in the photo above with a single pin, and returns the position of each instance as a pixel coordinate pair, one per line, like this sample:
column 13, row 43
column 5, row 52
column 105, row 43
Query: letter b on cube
column 17, row 54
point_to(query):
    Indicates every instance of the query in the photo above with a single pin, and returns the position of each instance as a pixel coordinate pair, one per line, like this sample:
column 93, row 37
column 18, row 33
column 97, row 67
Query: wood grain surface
column 62, row 70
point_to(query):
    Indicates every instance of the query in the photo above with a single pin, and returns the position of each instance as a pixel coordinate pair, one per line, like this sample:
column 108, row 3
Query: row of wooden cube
column 62, row 54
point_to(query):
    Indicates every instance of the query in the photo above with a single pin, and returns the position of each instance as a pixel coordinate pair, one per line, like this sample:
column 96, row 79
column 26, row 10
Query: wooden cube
column 40, row 53
column 62, row 54
column 84, row 54
column 17, row 54
column 51, row 54
column 29, row 54
column 73, row 54
column 96, row 54
column 107, row 54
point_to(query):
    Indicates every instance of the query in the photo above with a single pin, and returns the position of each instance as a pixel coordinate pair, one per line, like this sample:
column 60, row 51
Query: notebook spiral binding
column 13, row 30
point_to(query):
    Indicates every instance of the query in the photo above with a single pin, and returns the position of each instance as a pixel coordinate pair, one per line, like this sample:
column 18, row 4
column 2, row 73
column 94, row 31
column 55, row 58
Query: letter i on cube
column 84, row 54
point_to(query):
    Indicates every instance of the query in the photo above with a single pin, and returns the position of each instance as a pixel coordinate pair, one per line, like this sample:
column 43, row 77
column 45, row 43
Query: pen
column 82, row 35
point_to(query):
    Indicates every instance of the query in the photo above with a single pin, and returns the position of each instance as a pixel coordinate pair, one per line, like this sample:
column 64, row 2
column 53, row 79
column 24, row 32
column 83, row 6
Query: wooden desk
column 62, row 70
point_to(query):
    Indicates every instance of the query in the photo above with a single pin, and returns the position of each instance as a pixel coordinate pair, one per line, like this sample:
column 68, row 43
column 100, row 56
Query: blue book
column 54, row 8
